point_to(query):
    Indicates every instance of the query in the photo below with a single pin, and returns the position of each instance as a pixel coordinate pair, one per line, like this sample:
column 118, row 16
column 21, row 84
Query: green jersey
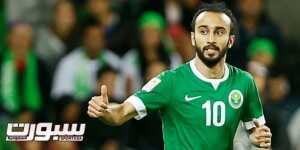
column 199, row 113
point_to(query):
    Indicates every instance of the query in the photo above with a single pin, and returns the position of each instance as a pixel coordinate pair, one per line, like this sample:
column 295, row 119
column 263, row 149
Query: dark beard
column 210, row 62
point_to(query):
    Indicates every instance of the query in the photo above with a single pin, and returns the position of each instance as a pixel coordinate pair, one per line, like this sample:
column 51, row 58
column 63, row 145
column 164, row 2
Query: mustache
column 211, row 46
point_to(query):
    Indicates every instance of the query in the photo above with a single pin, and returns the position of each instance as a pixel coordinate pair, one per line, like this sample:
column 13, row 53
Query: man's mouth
column 211, row 48
column 211, row 52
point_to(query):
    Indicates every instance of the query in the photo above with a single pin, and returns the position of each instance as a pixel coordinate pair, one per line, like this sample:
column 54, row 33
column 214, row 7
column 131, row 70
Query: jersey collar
column 215, row 82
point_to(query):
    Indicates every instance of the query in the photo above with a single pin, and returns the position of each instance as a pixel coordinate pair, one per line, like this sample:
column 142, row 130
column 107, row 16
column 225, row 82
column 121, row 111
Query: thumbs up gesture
column 98, row 105
column 261, row 136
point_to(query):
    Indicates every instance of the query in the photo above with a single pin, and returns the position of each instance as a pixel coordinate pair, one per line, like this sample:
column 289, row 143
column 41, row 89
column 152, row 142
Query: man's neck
column 215, row 72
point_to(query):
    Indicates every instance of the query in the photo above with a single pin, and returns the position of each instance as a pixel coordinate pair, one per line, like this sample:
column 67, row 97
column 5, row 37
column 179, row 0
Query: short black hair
column 89, row 22
column 104, row 69
column 12, row 25
column 217, row 7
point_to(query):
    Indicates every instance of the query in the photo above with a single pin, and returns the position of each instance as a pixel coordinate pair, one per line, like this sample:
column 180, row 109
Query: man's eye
column 220, row 32
column 204, row 32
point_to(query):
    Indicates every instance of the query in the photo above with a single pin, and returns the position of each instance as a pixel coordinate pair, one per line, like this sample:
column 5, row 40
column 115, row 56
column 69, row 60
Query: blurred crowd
column 54, row 54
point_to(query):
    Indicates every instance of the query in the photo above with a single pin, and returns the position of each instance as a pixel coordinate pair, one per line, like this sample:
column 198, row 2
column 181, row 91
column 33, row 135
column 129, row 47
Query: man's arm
column 153, row 96
column 260, row 136
column 253, row 117
column 114, row 115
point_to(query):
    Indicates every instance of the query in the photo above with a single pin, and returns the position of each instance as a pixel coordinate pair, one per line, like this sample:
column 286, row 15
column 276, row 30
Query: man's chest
column 205, row 106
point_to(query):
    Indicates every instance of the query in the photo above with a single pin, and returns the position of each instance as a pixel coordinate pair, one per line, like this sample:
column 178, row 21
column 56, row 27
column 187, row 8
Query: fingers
column 263, row 129
column 264, row 135
column 97, row 104
column 264, row 148
column 96, row 112
column 264, row 140
column 256, row 124
column 261, row 136
column 91, row 114
column 104, row 94
column 97, row 107
column 265, row 145
column 260, row 140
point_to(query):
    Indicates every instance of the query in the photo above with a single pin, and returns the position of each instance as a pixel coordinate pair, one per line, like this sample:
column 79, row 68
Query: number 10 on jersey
column 215, row 113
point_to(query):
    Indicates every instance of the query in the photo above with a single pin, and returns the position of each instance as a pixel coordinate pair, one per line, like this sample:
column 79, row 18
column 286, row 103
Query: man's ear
column 193, row 38
column 231, row 41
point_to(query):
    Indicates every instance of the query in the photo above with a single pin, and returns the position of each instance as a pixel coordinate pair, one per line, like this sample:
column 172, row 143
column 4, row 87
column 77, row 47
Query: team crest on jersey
column 235, row 99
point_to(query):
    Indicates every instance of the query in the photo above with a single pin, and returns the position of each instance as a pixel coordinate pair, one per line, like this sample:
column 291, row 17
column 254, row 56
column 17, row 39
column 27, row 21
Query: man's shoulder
column 178, row 71
column 72, row 57
column 165, row 79
column 239, row 73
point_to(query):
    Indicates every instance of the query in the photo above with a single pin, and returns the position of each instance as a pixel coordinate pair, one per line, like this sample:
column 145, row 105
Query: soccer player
column 201, row 102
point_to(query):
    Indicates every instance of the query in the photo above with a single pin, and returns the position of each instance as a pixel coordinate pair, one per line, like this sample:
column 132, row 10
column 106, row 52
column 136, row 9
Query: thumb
column 257, row 125
column 104, row 93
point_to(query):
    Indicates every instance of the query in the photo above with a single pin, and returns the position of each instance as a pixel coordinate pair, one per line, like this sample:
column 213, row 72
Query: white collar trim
column 215, row 82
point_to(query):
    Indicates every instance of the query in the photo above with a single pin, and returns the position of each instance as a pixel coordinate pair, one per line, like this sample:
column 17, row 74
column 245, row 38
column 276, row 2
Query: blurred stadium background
column 55, row 53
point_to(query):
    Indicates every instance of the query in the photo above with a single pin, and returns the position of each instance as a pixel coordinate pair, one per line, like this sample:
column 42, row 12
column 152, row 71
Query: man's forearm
column 117, row 114
column 112, row 116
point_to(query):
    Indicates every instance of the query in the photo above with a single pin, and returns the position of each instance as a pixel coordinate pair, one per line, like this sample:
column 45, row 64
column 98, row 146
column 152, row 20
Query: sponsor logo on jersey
column 235, row 99
column 151, row 84
column 187, row 98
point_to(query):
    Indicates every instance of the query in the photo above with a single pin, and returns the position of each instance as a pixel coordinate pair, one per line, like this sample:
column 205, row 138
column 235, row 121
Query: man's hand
column 261, row 136
column 115, row 115
column 98, row 105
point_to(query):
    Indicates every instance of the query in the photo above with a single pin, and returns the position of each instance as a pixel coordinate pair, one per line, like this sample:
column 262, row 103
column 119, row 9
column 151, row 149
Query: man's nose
column 211, row 38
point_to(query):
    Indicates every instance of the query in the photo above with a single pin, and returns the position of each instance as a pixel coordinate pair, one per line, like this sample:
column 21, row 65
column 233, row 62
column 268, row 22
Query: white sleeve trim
column 250, row 124
column 138, row 105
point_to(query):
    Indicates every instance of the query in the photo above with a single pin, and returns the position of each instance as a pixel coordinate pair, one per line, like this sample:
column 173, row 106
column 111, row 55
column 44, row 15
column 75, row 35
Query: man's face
column 150, row 37
column 93, row 41
column 20, row 38
column 250, row 8
column 211, row 37
column 65, row 17
column 97, row 7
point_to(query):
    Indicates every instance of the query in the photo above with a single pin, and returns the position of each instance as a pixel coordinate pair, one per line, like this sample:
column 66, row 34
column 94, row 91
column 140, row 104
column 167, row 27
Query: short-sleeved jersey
column 199, row 113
